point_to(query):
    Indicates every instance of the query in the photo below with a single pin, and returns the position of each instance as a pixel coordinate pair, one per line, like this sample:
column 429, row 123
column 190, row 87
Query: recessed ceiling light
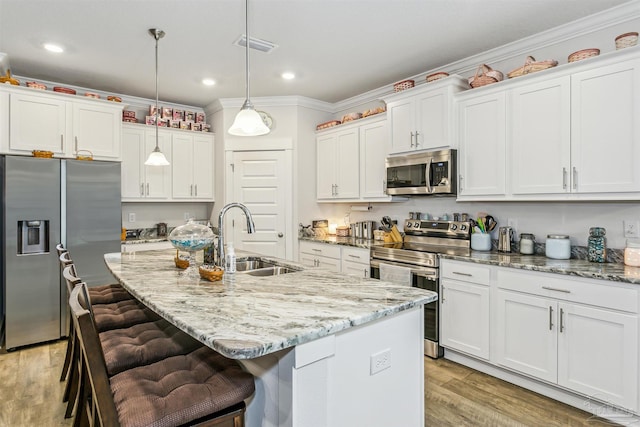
column 53, row 48
column 208, row 82
column 288, row 75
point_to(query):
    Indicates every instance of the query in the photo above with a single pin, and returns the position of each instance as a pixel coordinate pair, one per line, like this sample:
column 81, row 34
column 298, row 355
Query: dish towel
column 395, row 274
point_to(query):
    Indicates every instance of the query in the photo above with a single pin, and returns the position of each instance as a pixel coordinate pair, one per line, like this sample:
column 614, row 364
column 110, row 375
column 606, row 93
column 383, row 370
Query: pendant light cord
column 246, row 30
column 157, row 36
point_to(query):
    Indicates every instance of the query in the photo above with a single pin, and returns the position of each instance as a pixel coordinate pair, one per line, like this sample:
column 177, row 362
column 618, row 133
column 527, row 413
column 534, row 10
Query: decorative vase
column 191, row 237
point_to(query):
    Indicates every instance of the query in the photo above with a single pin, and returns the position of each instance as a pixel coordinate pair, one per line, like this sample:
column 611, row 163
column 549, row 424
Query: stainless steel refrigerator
column 47, row 201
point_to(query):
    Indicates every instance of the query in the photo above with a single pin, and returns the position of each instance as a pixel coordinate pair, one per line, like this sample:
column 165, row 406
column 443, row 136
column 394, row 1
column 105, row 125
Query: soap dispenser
column 230, row 259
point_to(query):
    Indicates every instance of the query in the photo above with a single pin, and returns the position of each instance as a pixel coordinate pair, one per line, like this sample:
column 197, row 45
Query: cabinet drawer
column 358, row 255
column 465, row 271
column 586, row 291
column 321, row 249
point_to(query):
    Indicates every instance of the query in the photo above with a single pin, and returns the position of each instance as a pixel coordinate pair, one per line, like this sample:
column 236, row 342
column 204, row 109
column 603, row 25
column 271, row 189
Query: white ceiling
column 337, row 48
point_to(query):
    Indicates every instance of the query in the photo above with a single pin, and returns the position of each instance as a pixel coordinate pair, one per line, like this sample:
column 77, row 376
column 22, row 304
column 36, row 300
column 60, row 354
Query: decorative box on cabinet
column 192, row 176
column 140, row 182
column 422, row 118
column 62, row 124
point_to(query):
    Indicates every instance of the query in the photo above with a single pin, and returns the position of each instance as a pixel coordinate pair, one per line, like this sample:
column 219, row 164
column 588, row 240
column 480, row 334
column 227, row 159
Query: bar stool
column 200, row 387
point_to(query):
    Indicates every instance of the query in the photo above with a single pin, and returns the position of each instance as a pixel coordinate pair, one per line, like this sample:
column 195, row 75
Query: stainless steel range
column 423, row 241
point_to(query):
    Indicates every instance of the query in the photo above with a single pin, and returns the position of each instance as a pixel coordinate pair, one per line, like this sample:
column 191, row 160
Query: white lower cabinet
column 465, row 308
column 350, row 260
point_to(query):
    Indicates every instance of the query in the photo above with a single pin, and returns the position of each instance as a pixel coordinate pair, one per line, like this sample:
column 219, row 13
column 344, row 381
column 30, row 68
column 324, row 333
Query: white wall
column 149, row 214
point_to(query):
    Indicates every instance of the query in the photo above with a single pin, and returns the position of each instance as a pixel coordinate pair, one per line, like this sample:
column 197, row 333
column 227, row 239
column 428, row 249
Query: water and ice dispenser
column 33, row 237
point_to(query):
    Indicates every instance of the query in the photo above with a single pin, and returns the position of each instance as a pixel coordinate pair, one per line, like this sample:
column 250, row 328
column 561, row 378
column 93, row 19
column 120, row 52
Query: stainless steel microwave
column 429, row 172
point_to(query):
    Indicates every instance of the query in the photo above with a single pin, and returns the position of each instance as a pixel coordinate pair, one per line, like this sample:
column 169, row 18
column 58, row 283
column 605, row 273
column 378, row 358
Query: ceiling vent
column 254, row 43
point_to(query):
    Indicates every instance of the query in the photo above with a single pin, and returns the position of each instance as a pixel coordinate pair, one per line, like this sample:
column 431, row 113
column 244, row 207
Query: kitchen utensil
column 161, row 229
column 489, row 223
column 386, row 223
column 505, row 239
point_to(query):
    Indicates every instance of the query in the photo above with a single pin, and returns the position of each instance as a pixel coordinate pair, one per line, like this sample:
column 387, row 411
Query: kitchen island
column 326, row 349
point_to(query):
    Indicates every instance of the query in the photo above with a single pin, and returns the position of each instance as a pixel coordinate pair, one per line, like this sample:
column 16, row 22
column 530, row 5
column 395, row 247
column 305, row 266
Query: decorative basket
column 342, row 231
column 403, row 85
column 485, row 75
column 373, row 111
column 84, row 155
column 211, row 273
column 626, row 40
column 531, row 66
column 328, row 124
column 583, row 54
column 349, row 117
column 42, row 154
column 181, row 262
column 36, row 85
column 436, row 76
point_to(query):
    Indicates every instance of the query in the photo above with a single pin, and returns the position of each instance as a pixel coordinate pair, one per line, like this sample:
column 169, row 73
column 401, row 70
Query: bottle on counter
column 632, row 253
column 527, row 243
column 558, row 246
column 597, row 245
column 230, row 259
column 210, row 254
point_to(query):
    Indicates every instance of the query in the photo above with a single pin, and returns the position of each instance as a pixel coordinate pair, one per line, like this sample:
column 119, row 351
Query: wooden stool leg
column 72, row 388
column 67, row 357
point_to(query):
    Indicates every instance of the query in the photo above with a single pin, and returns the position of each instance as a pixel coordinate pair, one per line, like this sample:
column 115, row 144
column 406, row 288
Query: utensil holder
column 481, row 241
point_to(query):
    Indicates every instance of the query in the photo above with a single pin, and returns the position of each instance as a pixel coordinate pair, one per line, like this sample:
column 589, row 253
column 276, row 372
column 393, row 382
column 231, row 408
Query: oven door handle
column 427, row 273
column 427, row 177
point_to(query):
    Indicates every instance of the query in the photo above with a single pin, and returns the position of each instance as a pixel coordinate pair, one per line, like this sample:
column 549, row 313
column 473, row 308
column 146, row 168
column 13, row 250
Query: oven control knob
column 416, row 225
column 463, row 227
column 454, row 227
column 409, row 225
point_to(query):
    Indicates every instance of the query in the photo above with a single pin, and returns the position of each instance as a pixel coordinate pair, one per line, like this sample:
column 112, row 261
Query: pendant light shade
column 156, row 158
column 248, row 122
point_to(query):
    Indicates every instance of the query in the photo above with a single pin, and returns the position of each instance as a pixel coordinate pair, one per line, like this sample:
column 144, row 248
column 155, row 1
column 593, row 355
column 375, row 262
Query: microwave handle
column 427, row 173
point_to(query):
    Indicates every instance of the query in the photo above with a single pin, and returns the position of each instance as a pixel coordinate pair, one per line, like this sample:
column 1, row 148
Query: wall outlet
column 380, row 361
column 631, row 228
column 132, row 217
column 187, row 216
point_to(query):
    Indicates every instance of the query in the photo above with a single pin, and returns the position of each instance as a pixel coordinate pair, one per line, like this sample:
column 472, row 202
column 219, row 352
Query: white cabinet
column 579, row 334
column 373, row 152
column 482, row 144
column 320, row 255
column 465, row 308
column 140, row 182
column 338, row 164
column 192, row 176
column 422, row 118
column 356, row 261
column 61, row 124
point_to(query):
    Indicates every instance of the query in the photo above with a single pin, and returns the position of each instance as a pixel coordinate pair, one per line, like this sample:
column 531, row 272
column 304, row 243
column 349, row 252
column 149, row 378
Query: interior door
column 261, row 181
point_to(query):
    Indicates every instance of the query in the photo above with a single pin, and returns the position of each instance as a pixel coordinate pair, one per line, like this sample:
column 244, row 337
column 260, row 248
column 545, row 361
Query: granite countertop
column 244, row 317
column 139, row 240
column 616, row 272
column 344, row 241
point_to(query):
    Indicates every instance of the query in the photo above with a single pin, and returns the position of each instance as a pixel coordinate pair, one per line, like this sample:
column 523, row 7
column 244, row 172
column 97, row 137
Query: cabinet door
column 348, row 165
column 132, row 172
column 605, row 129
column 51, row 117
column 526, row 334
column 330, row 264
column 540, row 137
column 355, row 269
column 97, row 129
column 326, row 166
column 157, row 178
column 182, row 167
column 402, row 125
column 432, row 116
column 307, row 260
column 203, row 167
column 598, row 353
column 464, row 324
column 482, row 146
column 373, row 151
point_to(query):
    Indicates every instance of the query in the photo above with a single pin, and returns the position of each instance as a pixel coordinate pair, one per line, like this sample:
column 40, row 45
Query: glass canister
column 558, row 246
column 632, row 253
column 597, row 245
column 527, row 243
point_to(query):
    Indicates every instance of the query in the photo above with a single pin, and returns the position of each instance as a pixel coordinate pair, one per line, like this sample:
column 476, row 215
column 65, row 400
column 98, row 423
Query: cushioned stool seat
column 121, row 314
column 143, row 344
column 179, row 389
column 108, row 294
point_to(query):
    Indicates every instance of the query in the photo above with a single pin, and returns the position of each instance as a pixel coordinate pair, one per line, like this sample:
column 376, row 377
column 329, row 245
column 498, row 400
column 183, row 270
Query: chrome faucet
column 250, row 227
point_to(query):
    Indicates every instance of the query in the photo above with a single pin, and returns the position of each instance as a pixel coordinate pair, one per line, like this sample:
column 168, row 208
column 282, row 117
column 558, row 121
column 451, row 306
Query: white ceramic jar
column 632, row 253
column 558, row 246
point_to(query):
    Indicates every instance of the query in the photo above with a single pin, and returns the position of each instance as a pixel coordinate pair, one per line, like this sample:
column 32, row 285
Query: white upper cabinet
column 192, row 176
column 338, row 165
column 482, row 140
column 62, row 124
column 373, row 152
column 421, row 118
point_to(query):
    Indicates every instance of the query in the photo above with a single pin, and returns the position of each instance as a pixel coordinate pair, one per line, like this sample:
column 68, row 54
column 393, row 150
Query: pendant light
column 156, row 158
column 248, row 122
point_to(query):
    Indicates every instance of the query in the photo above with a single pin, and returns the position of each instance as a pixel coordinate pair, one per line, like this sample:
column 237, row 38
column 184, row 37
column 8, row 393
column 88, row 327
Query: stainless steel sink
column 269, row 271
column 252, row 263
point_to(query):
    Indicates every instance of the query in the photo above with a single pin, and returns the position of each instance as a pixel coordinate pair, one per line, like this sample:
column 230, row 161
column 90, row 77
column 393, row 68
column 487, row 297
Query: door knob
column 280, row 234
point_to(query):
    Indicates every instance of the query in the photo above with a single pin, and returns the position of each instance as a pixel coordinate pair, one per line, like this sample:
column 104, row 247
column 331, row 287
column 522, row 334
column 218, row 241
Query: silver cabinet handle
column 142, row 189
column 442, row 294
column 460, row 182
column 316, row 250
column 354, row 256
column 561, row 320
column 412, row 139
column 147, row 188
column 76, row 143
column 564, row 178
column 462, row 274
column 366, row 273
column 566, row 291
column 191, row 190
column 336, row 190
column 196, row 188
column 550, row 318
column 61, row 142
column 417, row 143
column 384, row 185
column 575, row 178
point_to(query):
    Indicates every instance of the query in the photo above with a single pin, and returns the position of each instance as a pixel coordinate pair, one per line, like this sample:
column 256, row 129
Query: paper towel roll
column 358, row 208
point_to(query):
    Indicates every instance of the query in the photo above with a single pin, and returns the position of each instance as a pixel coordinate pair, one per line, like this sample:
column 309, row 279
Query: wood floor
column 31, row 395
